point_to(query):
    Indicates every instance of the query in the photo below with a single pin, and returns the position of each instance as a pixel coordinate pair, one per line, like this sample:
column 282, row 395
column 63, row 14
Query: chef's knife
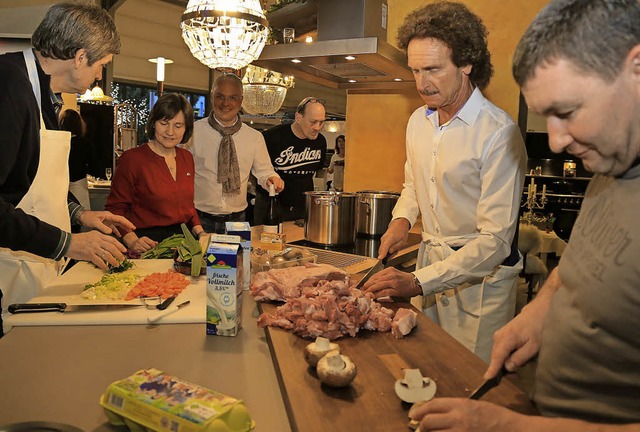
column 488, row 384
column 64, row 307
column 373, row 270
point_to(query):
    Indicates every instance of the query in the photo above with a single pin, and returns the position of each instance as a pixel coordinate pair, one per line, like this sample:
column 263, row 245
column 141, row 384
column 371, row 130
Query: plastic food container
column 151, row 400
column 264, row 260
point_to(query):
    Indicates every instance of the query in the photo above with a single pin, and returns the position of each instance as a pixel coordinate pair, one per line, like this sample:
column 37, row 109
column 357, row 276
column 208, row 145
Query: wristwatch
column 416, row 282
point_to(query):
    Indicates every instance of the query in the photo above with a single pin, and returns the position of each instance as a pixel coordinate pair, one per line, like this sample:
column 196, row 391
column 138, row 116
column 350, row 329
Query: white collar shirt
column 465, row 178
column 253, row 158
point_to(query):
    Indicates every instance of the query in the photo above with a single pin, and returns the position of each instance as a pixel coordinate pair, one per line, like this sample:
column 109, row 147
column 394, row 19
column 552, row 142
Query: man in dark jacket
column 71, row 46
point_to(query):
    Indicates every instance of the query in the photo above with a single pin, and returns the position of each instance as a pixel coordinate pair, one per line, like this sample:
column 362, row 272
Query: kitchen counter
column 58, row 373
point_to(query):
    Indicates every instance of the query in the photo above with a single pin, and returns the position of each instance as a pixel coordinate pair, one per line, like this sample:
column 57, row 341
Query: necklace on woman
column 169, row 156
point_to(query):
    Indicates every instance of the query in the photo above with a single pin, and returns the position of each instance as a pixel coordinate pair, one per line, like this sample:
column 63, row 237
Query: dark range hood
column 354, row 28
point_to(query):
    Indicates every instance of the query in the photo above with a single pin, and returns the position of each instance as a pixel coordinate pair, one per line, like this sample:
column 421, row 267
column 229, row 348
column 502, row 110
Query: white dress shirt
column 253, row 157
column 465, row 177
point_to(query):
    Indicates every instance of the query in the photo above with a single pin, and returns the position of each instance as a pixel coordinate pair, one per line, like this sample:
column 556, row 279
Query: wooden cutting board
column 370, row 403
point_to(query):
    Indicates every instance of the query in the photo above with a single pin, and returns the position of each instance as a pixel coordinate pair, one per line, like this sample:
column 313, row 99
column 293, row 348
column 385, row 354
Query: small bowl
column 184, row 267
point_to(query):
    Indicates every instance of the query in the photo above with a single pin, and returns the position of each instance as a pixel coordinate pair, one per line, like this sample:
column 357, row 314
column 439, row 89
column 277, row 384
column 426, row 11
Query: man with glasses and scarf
column 297, row 151
column 226, row 152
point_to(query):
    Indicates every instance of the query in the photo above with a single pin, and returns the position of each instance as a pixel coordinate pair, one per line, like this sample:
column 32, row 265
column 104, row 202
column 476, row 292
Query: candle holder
column 533, row 203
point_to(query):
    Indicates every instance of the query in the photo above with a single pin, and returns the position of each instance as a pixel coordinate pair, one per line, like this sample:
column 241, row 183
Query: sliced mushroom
column 318, row 349
column 414, row 387
column 336, row 370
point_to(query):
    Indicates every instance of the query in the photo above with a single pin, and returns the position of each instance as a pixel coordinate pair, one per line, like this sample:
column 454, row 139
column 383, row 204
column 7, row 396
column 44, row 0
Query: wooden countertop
column 370, row 403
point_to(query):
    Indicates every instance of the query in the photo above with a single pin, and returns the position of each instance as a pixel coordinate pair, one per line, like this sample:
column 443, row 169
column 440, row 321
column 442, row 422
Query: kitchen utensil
column 331, row 218
column 168, row 312
column 373, row 211
column 373, row 270
column 64, row 307
column 165, row 304
column 488, row 384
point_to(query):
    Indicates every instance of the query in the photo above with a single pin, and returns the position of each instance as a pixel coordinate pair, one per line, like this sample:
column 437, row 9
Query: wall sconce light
column 95, row 95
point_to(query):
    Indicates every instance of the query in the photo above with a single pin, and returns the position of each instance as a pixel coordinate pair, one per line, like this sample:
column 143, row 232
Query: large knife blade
column 488, row 384
column 373, row 270
column 64, row 307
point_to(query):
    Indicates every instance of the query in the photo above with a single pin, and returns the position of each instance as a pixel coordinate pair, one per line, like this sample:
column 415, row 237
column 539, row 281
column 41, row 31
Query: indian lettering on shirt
column 295, row 162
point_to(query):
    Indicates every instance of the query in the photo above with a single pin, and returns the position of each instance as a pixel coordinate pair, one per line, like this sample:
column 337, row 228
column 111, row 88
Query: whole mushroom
column 318, row 349
column 336, row 370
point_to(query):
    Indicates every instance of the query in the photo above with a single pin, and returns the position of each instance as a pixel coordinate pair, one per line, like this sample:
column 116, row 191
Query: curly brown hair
column 459, row 28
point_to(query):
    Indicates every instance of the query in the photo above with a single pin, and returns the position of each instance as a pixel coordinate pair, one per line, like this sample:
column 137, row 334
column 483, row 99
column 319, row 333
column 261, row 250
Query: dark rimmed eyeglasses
column 307, row 101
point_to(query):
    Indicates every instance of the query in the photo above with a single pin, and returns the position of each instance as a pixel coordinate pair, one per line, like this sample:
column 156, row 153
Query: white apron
column 471, row 312
column 23, row 275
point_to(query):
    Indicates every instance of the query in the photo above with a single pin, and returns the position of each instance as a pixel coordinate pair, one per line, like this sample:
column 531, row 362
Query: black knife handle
column 36, row 307
column 165, row 304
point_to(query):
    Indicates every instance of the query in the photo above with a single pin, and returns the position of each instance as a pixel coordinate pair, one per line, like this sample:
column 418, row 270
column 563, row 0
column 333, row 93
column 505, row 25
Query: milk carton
column 243, row 229
column 224, row 285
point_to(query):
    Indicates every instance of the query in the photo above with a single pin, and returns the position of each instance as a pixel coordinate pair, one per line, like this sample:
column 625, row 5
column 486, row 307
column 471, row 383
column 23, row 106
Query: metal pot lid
column 330, row 194
column 377, row 194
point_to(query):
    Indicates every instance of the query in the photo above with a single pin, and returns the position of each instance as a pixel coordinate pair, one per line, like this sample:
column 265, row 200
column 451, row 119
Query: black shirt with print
column 296, row 161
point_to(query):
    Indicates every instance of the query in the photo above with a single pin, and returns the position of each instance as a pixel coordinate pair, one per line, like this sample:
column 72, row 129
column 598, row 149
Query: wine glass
column 107, row 173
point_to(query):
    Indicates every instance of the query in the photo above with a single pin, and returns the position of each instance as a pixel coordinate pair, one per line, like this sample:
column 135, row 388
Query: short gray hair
column 68, row 27
column 596, row 36
column 228, row 77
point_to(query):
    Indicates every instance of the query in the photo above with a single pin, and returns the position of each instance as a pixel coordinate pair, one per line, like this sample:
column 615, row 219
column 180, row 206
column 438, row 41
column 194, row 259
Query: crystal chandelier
column 225, row 33
column 264, row 90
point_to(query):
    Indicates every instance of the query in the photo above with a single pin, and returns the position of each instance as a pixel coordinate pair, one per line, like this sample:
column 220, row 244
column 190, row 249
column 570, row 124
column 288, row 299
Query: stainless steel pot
column 331, row 218
column 373, row 211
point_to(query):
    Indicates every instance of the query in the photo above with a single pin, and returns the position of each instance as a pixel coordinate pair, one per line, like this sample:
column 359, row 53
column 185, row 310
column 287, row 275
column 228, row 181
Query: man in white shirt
column 226, row 152
column 464, row 174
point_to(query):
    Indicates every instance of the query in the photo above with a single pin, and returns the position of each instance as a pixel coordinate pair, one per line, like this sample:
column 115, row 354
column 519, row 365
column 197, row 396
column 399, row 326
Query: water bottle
column 273, row 221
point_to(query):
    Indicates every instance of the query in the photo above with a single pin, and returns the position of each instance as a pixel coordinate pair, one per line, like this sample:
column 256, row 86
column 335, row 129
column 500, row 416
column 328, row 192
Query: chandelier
column 264, row 90
column 224, row 33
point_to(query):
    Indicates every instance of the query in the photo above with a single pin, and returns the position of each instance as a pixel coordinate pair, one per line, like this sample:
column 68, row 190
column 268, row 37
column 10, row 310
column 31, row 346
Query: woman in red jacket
column 153, row 183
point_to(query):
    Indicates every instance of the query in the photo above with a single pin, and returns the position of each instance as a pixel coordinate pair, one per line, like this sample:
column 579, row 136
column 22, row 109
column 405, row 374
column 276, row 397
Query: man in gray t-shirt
column 578, row 64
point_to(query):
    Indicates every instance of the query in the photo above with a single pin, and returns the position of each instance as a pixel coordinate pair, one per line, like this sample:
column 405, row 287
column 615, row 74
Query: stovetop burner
column 364, row 246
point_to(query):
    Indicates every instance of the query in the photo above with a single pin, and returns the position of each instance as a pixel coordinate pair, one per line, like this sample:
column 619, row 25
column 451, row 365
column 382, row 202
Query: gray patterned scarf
column 228, row 167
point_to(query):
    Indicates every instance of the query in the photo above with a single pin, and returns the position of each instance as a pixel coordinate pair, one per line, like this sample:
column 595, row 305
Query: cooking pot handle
column 327, row 200
column 367, row 204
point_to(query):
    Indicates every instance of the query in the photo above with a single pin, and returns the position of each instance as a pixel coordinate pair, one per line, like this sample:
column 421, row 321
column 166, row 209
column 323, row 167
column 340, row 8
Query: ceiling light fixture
column 225, row 34
column 350, row 57
column 264, row 90
column 296, row 61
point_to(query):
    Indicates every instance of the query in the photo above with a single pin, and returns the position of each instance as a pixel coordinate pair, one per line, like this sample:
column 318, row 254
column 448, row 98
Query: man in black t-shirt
column 297, row 151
